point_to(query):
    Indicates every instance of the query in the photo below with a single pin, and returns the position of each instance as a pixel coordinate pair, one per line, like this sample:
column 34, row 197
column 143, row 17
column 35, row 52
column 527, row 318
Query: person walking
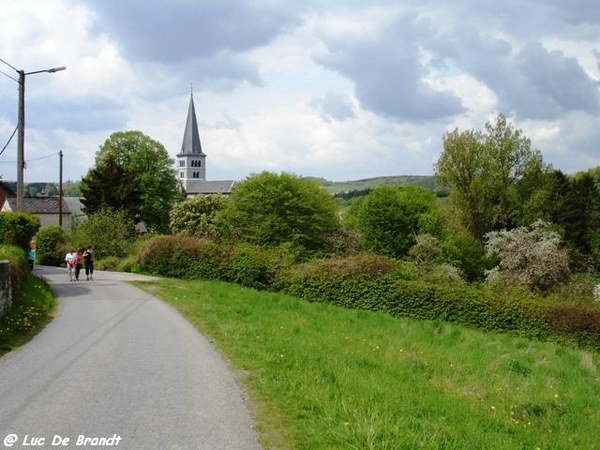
column 71, row 260
column 88, row 262
column 78, row 263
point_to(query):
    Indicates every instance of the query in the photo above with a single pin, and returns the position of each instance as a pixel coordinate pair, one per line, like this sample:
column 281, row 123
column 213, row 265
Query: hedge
column 375, row 283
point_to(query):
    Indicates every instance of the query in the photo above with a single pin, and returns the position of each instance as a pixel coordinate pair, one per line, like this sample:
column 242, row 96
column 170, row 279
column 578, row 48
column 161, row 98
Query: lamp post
column 21, row 131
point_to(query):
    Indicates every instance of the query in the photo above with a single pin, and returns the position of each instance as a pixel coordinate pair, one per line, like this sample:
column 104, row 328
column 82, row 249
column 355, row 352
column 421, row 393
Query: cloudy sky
column 340, row 89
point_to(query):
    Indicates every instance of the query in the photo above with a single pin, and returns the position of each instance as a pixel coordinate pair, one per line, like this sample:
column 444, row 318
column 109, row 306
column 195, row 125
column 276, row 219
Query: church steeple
column 191, row 137
column 191, row 159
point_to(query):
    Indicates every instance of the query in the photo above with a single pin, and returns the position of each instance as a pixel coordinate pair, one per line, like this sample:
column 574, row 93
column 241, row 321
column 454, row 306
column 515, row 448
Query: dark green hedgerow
column 394, row 293
column 375, row 283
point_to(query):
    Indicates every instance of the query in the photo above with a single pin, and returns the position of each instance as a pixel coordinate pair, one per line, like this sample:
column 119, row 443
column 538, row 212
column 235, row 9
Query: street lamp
column 21, row 131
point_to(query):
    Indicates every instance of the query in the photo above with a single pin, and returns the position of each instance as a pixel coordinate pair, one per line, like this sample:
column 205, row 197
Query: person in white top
column 71, row 260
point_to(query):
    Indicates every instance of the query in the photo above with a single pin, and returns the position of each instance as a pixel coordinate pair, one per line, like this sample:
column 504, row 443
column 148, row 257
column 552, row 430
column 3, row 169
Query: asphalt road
column 121, row 369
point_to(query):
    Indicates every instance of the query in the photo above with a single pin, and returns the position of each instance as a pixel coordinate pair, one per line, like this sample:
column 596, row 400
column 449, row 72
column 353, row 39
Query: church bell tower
column 191, row 161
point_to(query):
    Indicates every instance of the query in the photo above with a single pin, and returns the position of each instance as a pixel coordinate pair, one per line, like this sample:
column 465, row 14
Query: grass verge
column 323, row 377
column 31, row 310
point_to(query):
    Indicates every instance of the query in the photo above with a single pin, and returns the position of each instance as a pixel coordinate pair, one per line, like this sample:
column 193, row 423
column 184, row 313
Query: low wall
column 5, row 287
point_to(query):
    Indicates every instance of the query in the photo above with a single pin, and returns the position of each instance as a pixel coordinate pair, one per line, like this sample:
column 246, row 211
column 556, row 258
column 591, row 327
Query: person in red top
column 78, row 261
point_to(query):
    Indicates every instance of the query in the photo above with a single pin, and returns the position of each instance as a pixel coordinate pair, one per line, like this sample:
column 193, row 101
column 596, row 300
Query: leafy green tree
column 196, row 216
column 270, row 209
column 483, row 169
column 50, row 245
column 152, row 168
column 389, row 219
column 111, row 232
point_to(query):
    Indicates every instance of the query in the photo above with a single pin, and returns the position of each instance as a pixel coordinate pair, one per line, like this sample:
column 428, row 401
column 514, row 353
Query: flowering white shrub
column 532, row 256
column 597, row 293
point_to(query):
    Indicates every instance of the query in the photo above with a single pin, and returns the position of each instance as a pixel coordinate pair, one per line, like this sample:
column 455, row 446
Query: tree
column 196, row 216
column 269, row 210
column 531, row 256
column 389, row 219
column 110, row 185
column 50, row 245
column 580, row 215
column 111, row 232
column 149, row 164
column 483, row 169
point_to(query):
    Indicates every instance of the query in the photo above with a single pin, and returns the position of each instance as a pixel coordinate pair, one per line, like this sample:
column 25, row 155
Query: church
column 191, row 162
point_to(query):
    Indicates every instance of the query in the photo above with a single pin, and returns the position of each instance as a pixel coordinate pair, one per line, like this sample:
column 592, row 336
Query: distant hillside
column 337, row 187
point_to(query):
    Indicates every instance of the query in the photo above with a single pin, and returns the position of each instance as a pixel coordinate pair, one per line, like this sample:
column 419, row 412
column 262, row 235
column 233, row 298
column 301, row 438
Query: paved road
column 117, row 362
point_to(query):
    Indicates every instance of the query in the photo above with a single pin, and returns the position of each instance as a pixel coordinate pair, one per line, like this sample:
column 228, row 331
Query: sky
column 342, row 90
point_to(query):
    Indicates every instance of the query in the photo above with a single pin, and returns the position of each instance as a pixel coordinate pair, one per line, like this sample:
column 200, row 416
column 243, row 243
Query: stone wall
column 5, row 287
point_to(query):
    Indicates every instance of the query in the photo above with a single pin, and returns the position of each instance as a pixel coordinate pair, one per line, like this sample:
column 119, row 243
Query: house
column 5, row 192
column 191, row 161
column 46, row 208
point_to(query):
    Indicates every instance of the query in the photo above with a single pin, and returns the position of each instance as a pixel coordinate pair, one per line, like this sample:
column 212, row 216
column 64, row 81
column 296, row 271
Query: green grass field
column 322, row 377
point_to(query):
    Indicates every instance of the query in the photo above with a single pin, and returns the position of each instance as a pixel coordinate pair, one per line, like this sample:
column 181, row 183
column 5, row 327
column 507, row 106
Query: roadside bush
column 340, row 281
column 19, row 270
column 50, row 245
column 111, row 232
column 18, row 228
column 257, row 267
column 183, row 257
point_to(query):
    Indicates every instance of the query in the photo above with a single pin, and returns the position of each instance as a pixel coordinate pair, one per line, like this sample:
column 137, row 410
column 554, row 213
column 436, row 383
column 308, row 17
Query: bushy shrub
column 18, row 228
column 50, row 245
column 257, row 267
column 533, row 256
column 390, row 218
column 196, row 216
column 183, row 257
column 577, row 324
column 465, row 252
column 269, row 210
column 111, row 233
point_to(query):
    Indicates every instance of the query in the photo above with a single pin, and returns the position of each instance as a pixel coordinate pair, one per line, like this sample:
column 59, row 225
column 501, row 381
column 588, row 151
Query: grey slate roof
column 209, row 187
column 191, row 137
column 45, row 205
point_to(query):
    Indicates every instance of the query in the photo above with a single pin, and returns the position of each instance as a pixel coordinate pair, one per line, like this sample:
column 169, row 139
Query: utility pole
column 21, row 141
column 21, row 133
column 60, row 189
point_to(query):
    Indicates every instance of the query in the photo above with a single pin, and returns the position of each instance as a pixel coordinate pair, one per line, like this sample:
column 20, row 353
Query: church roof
column 196, row 187
column 191, row 137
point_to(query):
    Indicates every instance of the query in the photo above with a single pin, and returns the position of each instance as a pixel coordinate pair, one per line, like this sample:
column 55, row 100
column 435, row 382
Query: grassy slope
column 30, row 312
column 327, row 378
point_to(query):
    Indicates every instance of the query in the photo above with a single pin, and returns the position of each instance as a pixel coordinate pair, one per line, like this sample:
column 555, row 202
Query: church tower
column 191, row 160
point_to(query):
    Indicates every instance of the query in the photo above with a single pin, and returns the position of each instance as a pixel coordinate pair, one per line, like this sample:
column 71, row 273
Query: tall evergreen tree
column 580, row 214
column 110, row 185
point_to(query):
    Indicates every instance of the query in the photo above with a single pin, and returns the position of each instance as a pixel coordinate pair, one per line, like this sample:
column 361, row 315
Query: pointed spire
column 191, row 137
